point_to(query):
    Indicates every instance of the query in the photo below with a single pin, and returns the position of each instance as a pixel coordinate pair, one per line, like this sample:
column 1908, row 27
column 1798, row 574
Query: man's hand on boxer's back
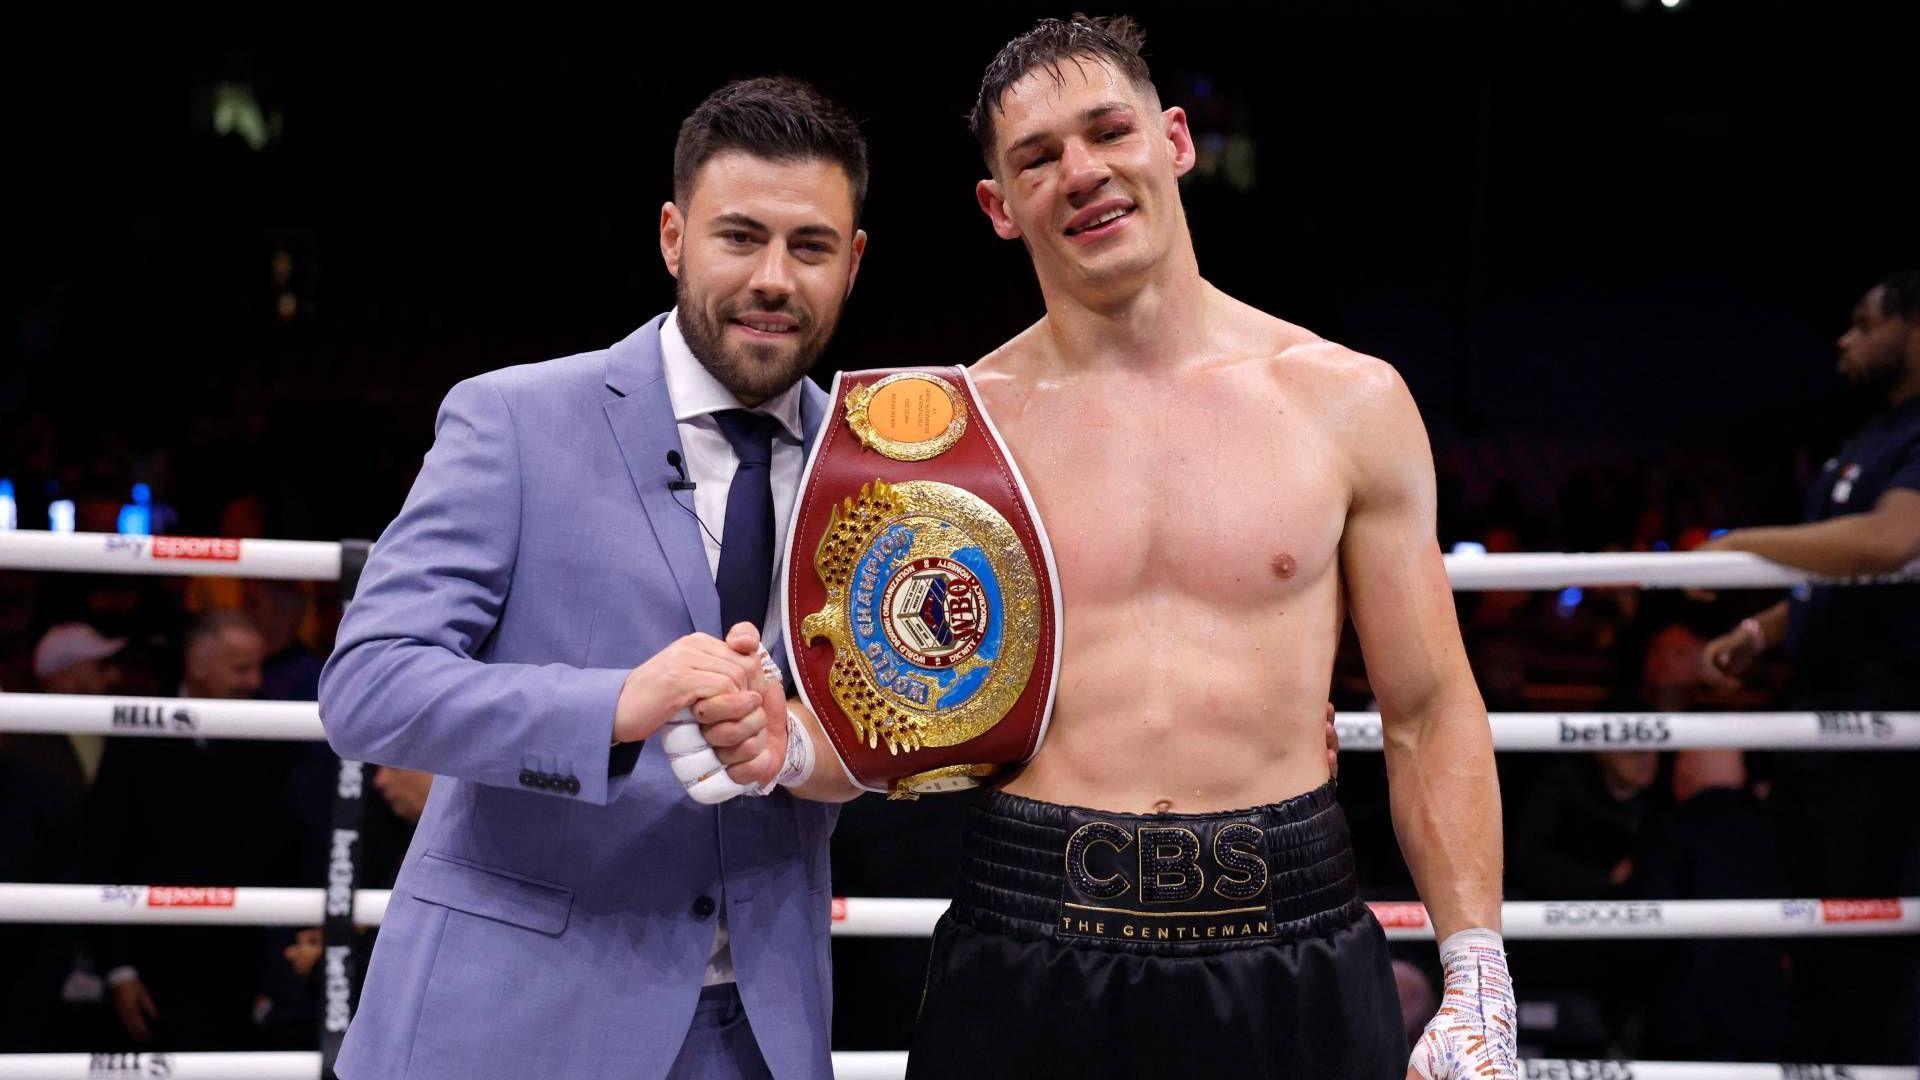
column 691, row 670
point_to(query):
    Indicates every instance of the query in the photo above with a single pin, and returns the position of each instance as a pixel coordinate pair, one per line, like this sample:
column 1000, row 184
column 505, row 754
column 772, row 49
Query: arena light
column 136, row 517
column 1569, row 601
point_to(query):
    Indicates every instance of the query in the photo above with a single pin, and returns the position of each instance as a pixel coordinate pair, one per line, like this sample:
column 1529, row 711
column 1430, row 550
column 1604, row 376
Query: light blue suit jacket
column 548, row 920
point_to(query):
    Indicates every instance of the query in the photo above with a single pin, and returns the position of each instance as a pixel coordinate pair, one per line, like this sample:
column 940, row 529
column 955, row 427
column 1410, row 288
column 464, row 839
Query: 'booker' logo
column 935, row 612
column 1641, row 913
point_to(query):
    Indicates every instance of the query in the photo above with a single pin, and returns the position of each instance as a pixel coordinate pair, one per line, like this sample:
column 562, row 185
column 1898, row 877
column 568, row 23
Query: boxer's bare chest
column 1221, row 485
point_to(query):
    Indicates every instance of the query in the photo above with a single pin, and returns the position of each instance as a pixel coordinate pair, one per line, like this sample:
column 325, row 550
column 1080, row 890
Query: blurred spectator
column 43, row 782
column 189, row 811
column 287, row 1009
column 291, row 672
column 244, row 517
column 1719, row 999
column 40, row 843
column 72, row 658
column 1670, row 672
column 1578, row 831
column 1577, row 836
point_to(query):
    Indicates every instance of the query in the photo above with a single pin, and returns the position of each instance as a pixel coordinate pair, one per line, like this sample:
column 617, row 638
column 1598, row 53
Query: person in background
column 192, row 812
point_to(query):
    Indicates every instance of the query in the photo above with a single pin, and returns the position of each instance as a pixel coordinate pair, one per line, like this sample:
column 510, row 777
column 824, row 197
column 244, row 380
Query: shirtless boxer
column 1167, row 888
column 1221, row 488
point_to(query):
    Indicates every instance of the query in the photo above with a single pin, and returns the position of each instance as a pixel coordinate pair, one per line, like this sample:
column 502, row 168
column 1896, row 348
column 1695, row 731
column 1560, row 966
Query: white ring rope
column 195, row 556
column 884, row 917
column 184, row 718
column 204, row 718
column 854, row 1065
column 316, row 560
column 1530, row 920
column 197, row 905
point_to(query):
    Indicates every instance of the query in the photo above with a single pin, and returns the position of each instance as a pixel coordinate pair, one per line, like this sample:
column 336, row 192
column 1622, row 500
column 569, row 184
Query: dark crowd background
column 1608, row 244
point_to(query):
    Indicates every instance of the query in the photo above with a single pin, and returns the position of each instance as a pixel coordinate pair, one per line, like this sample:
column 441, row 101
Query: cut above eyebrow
column 742, row 221
column 1105, row 108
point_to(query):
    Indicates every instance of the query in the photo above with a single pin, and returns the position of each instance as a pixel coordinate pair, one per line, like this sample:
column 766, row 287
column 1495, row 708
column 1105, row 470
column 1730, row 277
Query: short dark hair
column 1900, row 295
column 1052, row 42
column 217, row 622
column 775, row 118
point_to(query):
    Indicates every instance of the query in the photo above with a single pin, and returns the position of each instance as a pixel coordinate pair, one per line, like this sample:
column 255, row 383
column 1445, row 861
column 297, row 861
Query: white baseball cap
column 71, row 643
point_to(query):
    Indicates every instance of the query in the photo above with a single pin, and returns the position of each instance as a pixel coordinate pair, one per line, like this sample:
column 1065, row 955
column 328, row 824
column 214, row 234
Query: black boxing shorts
column 1083, row 943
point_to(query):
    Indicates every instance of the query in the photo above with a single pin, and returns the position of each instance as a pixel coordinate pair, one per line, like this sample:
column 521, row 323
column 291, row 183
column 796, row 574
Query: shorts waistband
column 1240, row 877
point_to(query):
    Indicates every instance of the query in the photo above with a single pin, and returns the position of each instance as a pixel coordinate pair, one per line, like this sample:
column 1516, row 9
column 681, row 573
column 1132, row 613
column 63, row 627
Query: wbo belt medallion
column 922, row 615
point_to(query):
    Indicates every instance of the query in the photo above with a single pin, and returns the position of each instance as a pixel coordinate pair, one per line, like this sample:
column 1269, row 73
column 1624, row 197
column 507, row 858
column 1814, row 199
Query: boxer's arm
column 1880, row 541
column 1442, row 786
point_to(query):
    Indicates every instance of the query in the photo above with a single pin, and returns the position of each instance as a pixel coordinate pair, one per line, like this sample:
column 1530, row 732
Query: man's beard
column 1877, row 378
column 754, row 372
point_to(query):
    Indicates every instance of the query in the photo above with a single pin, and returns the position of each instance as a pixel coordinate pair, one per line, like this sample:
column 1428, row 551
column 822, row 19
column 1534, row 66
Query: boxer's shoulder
column 1346, row 387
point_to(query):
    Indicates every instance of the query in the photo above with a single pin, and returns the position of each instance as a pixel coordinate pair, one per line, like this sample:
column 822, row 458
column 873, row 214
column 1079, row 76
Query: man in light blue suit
column 545, row 601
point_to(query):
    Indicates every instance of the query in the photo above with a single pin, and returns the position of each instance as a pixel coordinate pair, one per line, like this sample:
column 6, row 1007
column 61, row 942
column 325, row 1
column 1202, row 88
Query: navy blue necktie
column 745, row 576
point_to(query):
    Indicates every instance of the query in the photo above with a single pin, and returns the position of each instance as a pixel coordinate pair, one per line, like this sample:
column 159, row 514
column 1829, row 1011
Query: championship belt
column 921, row 606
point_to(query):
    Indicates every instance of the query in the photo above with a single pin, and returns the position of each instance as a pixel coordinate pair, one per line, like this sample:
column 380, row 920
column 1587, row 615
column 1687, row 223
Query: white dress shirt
column 710, row 462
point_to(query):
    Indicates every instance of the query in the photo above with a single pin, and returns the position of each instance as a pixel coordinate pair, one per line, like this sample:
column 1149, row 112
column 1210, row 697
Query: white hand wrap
column 1473, row 1034
column 797, row 769
column 699, row 769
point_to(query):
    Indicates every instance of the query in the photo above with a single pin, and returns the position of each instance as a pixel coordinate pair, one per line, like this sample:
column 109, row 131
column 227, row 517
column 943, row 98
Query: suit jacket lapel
column 643, row 424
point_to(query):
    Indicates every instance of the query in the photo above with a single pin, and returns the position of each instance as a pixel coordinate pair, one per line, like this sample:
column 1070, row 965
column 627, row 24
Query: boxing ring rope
column 1524, row 920
column 323, row 561
column 203, row 718
column 905, row 917
column 194, row 556
column 852, row 1065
